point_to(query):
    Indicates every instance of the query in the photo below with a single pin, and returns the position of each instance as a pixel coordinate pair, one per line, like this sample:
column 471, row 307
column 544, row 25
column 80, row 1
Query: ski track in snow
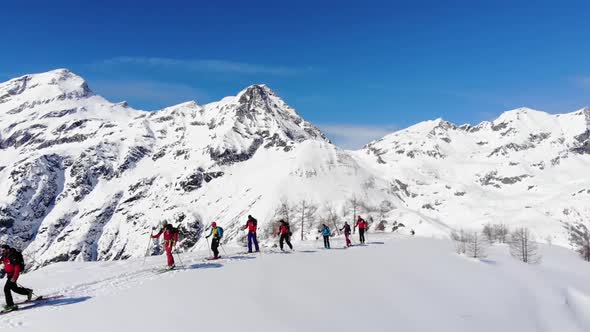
column 393, row 280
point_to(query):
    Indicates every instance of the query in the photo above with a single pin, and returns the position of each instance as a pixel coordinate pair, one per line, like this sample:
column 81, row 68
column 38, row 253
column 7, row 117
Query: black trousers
column 285, row 238
column 12, row 286
column 362, row 235
column 326, row 241
column 214, row 246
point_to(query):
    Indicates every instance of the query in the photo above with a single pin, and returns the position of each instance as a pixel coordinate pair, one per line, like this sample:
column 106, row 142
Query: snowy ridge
column 86, row 179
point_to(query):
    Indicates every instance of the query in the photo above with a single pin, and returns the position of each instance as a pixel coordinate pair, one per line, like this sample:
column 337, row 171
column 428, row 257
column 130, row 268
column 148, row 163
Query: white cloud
column 197, row 65
column 354, row 137
column 160, row 94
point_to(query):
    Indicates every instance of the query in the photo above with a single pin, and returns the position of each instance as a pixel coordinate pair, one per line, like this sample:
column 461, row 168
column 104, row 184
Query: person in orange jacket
column 170, row 238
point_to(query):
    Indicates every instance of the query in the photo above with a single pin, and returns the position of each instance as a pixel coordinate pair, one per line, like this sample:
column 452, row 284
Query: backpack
column 255, row 222
column 219, row 232
column 173, row 230
column 16, row 258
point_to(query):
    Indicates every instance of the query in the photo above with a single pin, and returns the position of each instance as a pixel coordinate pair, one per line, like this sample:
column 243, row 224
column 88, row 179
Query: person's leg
column 249, row 242
column 255, row 242
column 281, row 240
column 287, row 238
column 20, row 290
column 328, row 241
column 7, row 294
column 214, row 246
column 169, row 254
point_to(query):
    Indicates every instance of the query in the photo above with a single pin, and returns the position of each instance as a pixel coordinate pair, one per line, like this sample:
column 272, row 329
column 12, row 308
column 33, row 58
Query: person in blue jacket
column 326, row 233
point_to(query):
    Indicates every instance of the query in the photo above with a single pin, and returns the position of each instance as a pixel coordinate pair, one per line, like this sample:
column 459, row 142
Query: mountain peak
column 519, row 113
column 255, row 91
column 58, row 83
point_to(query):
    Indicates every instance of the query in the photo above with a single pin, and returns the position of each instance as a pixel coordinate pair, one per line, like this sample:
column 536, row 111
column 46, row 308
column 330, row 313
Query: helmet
column 214, row 224
column 164, row 223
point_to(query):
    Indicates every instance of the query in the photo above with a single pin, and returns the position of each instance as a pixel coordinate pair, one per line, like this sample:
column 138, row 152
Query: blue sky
column 358, row 70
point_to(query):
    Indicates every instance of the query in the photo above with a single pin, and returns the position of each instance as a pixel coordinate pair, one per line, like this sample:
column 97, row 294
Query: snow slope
column 395, row 283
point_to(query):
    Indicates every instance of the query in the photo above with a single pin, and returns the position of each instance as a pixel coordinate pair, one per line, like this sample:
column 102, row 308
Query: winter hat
column 5, row 246
column 164, row 223
column 214, row 224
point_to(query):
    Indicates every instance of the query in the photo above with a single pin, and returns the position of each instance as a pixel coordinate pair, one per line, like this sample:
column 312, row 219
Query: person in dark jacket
column 13, row 265
column 251, row 225
column 326, row 234
column 346, row 230
column 285, row 234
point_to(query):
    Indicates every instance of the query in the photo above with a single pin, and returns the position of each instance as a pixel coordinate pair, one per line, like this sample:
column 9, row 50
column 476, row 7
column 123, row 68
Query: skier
column 412, row 232
column 361, row 224
column 13, row 265
column 285, row 234
column 346, row 230
column 251, row 226
column 326, row 234
column 217, row 233
column 170, row 239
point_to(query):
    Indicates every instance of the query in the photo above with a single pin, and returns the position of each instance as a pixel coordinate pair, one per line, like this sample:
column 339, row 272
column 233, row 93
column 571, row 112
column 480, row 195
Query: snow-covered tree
column 330, row 217
column 476, row 246
column 523, row 246
column 488, row 232
column 306, row 210
column 460, row 238
column 579, row 237
column 500, row 232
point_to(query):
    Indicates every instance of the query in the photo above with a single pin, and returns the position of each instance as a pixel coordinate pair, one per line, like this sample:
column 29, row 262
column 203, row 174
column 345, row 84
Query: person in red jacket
column 362, row 225
column 13, row 265
column 251, row 225
column 285, row 234
column 170, row 239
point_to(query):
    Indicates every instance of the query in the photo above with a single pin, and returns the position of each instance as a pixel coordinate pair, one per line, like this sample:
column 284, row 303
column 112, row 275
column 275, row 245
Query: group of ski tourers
column 361, row 223
column 13, row 261
column 216, row 233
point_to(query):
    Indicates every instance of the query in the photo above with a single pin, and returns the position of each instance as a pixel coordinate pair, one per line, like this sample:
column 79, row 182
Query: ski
column 29, row 305
column 40, row 298
column 164, row 270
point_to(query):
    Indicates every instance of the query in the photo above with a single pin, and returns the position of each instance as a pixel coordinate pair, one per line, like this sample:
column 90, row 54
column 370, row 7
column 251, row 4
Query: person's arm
column 210, row 232
column 16, row 273
column 155, row 236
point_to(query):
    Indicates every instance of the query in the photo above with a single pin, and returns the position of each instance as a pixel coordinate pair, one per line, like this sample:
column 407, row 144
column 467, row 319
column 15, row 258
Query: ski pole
column 148, row 248
column 222, row 248
column 178, row 255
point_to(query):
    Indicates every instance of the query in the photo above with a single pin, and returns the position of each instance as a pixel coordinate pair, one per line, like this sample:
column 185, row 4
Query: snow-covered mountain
column 87, row 179
column 525, row 168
